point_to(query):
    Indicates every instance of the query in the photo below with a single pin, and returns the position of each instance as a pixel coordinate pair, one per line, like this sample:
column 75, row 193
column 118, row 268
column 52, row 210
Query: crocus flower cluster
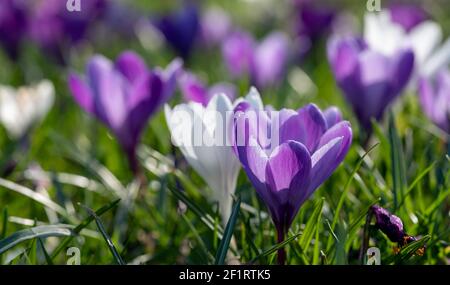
column 405, row 26
column 23, row 107
column 288, row 154
column 193, row 89
column 263, row 63
column 212, row 157
column 369, row 79
column 123, row 95
column 47, row 23
column 435, row 98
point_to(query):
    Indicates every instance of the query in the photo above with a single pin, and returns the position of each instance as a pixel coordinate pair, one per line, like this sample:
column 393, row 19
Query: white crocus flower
column 203, row 136
column 387, row 37
column 22, row 107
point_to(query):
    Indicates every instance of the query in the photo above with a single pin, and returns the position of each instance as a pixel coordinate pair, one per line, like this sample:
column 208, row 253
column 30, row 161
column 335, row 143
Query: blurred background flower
column 123, row 95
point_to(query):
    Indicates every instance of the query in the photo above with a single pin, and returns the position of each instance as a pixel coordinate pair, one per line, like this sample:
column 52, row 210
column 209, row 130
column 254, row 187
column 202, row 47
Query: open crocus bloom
column 264, row 62
column 123, row 95
column 193, row 89
column 288, row 154
column 202, row 132
column 370, row 80
column 404, row 27
column 21, row 108
column 435, row 99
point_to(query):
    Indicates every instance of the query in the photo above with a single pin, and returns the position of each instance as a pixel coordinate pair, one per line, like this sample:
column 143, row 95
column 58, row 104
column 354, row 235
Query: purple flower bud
column 180, row 28
column 215, row 26
column 264, row 63
column 389, row 224
column 369, row 80
column 123, row 95
column 435, row 99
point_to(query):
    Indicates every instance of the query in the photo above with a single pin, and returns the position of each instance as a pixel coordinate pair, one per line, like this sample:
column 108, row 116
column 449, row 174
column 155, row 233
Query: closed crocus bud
column 237, row 51
column 180, row 28
column 435, row 98
column 123, row 95
column 389, row 224
column 287, row 155
column 369, row 80
column 270, row 60
column 23, row 107
column 202, row 134
column 193, row 89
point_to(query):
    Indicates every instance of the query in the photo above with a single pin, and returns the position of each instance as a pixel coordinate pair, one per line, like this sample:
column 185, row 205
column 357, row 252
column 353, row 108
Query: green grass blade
column 228, row 234
column 408, row 251
column 204, row 217
column 274, row 248
column 311, row 225
column 83, row 225
column 344, row 195
column 397, row 164
column 4, row 223
column 46, row 255
column 105, row 235
column 35, row 232
column 42, row 199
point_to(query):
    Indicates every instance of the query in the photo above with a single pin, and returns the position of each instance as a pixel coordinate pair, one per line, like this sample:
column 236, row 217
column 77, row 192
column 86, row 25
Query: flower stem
column 281, row 251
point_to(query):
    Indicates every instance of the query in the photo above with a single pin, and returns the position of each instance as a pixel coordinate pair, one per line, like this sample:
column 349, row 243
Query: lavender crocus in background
column 287, row 155
column 194, row 90
column 180, row 28
column 435, row 98
column 369, row 80
column 263, row 63
column 13, row 24
column 123, row 95
column 215, row 25
column 408, row 16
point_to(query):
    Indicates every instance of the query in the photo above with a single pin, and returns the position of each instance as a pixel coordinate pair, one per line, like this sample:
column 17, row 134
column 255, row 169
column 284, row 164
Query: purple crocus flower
column 287, row 155
column 180, row 28
column 370, row 80
column 215, row 26
column 53, row 27
column 193, row 89
column 13, row 23
column 123, row 95
column 264, row 63
column 314, row 20
column 435, row 99
column 408, row 16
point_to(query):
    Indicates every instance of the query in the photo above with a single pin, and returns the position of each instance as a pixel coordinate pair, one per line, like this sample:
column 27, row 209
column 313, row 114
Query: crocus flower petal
column 82, row 93
column 193, row 89
column 332, row 116
column 293, row 158
column 237, row 51
column 306, row 127
column 408, row 16
column 131, row 66
column 424, row 39
column 108, row 87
